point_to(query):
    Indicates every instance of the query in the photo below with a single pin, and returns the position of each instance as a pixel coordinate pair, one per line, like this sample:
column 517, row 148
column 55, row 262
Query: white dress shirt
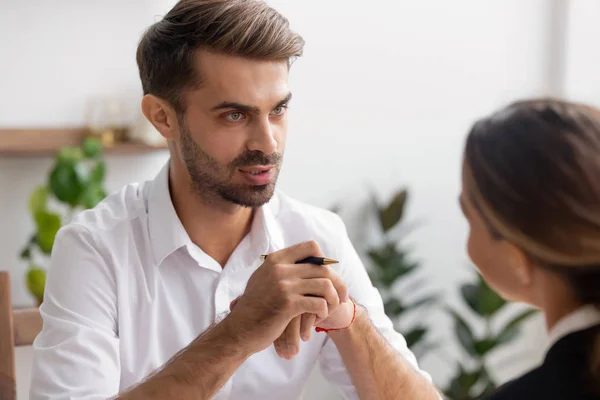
column 127, row 289
column 579, row 320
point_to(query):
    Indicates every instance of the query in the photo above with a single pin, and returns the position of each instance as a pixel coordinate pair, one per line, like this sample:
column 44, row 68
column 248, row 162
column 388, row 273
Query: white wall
column 582, row 76
column 383, row 98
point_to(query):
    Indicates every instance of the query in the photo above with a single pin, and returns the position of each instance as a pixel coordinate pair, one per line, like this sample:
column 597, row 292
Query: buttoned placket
column 230, row 284
column 233, row 277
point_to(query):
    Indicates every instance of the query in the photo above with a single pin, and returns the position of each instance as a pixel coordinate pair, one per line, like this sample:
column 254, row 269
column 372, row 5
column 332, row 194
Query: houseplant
column 75, row 182
column 391, row 268
column 473, row 381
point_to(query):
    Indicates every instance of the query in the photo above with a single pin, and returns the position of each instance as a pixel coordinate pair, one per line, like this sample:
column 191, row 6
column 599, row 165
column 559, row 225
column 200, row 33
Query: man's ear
column 161, row 115
column 521, row 266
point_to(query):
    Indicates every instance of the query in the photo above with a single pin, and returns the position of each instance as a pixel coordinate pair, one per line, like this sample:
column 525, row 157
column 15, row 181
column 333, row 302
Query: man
column 139, row 289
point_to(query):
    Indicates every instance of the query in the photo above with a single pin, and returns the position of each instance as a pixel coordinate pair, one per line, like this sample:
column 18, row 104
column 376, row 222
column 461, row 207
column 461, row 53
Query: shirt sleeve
column 76, row 356
column 364, row 293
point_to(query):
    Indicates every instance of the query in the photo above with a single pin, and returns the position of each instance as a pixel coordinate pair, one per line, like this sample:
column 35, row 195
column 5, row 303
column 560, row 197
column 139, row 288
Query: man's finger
column 340, row 287
column 233, row 303
column 289, row 341
column 293, row 254
column 278, row 344
column 306, row 324
column 311, row 271
column 312, row 305
column 320, row 287
column 293, row 337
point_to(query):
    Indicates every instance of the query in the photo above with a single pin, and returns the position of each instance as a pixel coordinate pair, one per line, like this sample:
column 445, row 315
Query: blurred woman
column 531, row 194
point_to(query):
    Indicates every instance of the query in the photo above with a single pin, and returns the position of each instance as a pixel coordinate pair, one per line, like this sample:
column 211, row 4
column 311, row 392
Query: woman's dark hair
column 532, row 170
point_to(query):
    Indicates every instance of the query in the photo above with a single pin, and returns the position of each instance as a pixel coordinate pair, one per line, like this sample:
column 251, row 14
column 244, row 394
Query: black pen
column 310, row 260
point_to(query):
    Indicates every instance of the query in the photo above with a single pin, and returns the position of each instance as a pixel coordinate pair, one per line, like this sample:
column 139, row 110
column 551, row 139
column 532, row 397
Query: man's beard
column 212, row 181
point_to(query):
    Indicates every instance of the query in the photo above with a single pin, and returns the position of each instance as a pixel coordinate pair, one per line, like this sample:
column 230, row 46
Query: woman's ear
column 521, row 266
column 161, row 115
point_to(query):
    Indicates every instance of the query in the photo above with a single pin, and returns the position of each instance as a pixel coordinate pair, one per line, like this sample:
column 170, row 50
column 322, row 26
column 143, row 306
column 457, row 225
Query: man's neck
column 217, row 227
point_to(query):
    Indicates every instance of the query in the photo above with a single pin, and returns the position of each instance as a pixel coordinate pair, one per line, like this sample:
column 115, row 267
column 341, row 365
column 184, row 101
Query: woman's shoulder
column 538, row 384
column 564, row 374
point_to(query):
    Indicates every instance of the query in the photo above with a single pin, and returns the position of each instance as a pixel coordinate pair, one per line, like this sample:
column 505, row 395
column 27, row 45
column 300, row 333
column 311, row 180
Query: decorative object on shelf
column 474, row 381
column 106, row 121
column 75, row 182
column 390, row 268
column 144, row 132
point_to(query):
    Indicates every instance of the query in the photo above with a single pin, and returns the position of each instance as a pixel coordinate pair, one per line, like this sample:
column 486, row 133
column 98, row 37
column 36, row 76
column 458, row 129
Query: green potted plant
column 474, row 381
column 389, row 265
column 75, row 182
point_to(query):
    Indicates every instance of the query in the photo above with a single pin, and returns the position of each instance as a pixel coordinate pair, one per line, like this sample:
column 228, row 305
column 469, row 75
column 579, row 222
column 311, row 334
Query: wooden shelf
column 44, row 142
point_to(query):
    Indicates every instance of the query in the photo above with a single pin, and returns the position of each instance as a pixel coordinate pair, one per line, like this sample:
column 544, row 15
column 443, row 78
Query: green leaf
column 38, row 199
column 69, row 155
column 484, row 346
column 98, row 172
column 92, row 195
column 393, row 307
column 25, row 253
column 390, row 264
column 472, row 295
column 374, row 277
column 415, row 335
column 47, row 225
column 481, row 299
column 392, row 214
column 65, row 183
column 489, row 388
column 491, row 301
column 468, row 379
column 26, row 250
column 92, row 147
column 511, row 329
column 463, row 333
column 421, row 302
column 420, row 349
column 36, row 282
column 463, row 383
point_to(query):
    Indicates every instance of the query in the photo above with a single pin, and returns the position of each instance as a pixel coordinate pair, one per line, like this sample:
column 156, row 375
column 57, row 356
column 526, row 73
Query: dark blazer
column 564, row 374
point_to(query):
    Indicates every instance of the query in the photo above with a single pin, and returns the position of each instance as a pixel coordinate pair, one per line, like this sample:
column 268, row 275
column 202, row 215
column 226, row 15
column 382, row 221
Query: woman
column 531, row 194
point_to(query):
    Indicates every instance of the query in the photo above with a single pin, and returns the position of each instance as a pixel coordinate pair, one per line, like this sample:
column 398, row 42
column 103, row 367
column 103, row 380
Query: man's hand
column 301, row 327
column 341, row 318
column 279, row 293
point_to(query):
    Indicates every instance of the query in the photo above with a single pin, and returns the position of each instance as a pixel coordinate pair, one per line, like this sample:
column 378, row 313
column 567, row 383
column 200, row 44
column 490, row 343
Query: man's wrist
column 341, row 319
column 357, row 326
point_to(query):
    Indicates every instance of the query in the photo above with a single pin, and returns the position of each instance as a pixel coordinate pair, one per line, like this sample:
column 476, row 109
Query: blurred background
column 383, row 99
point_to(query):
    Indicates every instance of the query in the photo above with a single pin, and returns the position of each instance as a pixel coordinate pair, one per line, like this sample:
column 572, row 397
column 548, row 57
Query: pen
column 310, row 260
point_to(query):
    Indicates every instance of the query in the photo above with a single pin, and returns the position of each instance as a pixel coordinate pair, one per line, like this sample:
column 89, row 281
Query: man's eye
column 234, row 116
column 279, row 110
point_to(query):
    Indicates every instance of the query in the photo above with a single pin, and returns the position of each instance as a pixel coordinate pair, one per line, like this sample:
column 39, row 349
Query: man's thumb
column 233, row 303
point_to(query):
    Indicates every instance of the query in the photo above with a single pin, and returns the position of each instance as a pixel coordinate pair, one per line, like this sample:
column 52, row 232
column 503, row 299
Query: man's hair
column 245, row 28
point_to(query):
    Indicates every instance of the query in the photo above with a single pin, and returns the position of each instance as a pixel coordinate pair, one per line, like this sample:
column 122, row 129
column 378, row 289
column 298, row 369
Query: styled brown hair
column 246, row 28
column 533, row 172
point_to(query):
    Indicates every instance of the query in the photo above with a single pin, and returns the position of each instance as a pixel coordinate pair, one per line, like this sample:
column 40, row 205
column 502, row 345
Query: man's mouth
column 259, row 175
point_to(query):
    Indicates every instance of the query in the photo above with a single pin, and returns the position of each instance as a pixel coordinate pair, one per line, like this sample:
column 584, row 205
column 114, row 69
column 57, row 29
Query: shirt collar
column 167, row 233
column 580, row 319
column 266, row 227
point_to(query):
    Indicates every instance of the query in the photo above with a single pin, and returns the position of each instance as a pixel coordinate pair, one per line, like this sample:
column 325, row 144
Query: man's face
column 233, row 132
